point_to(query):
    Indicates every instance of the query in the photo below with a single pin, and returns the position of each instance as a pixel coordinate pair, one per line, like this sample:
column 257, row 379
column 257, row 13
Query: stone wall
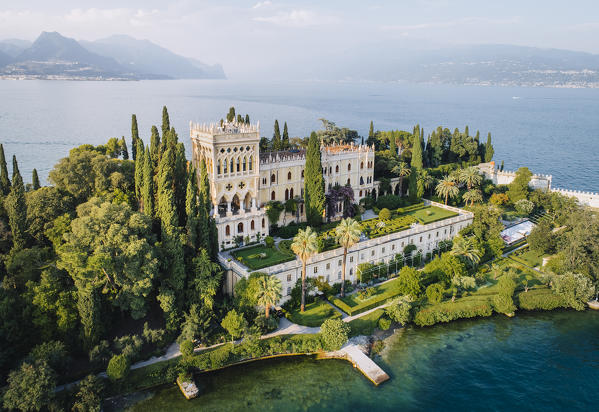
column 504, row 177
column 584, row 198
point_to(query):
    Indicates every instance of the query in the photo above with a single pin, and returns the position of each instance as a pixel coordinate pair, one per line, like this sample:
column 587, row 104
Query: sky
column 261, row 38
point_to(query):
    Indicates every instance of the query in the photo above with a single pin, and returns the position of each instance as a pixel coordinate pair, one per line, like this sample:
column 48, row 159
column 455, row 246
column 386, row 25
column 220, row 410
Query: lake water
column 538, row 361
column 552, row 131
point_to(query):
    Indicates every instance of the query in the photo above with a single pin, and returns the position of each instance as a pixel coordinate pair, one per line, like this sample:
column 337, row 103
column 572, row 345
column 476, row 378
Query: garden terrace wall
column 327, row 265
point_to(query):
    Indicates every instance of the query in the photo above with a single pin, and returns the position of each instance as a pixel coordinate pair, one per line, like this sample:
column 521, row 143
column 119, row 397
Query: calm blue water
column 550, row 130
column 542, row 361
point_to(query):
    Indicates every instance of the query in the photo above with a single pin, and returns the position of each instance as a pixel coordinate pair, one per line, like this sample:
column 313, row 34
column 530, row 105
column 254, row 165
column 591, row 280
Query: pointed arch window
column 227, row 230
column 238, row 168
column 240, row 228
column 252, row 227
column 244, row 163
column 272, row 195
column 251, row 162
column 337, row 169
column 288, row 175
column 218, row 167
column 349, row 167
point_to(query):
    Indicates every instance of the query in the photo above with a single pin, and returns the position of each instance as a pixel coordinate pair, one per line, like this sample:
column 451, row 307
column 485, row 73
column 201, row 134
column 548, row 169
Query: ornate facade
column 243, row 180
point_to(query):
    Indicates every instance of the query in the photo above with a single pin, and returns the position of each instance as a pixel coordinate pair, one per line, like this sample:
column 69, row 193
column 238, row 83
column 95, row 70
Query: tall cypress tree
column 124, row 150
column 285, row 137
column 489, row 151
column 247, row 119
column 147, row 189
column 501, row 168
column 207, row 231
column 371, row 130
column 89, row 308
column 392, row 145
column 231, row 114
column 416, row 166
column 192, row 211
column 35, row 180
column 134, row 136
column 155, row 147
column 276, row 137
column 4, row 179
column 16, row 209
column 180, row 170
column 139, row 169
column 166, row 123
column 313, row 182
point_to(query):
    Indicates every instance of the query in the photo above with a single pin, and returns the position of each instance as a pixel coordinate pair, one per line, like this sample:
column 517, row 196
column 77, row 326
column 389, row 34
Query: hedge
column 367, row 305
column 540, row 299
column 449, row 311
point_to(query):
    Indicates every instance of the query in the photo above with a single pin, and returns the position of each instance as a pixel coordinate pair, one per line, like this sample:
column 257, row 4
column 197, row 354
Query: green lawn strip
column 366, row 324
column 251, row 256
column 314, row 315
column 528, row 257
column 352, row 305
column 436, row 214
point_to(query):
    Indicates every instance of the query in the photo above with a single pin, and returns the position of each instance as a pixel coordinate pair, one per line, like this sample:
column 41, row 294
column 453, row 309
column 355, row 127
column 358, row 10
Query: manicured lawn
column 436, row 213
column 366, row 324
column 528, row 257
column 315, row 313
column 260, row 256
column 352, row 304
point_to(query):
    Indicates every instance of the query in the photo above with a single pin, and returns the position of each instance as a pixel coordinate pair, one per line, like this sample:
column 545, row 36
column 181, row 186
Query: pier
column 360, row 361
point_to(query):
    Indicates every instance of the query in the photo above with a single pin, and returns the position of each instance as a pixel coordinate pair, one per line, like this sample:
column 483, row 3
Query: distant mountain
column 485, row 65
column 53, row 56
column 143, row 56
column 14, row 47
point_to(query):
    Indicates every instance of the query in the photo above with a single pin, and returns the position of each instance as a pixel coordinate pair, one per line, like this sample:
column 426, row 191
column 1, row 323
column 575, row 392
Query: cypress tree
column 134, row 136
column 88, row 306
column 417, row 152
column 276, row 137
column 166, row 123
column 247, row 119
column 416, row 166
column 239, row 119
column 489, row 151
column 35, row 180
column 285, row 137
column 192, row 210
column 371, row 131
column 204, row 206
column 392, row 145
column 4, row 180
column 180, row 182
column 313, row 182
column 124, row 150
column 16, row 209
column 139, row 169
column 155, row 147
column 501, row 168
column 231, row 114
column 147, row 189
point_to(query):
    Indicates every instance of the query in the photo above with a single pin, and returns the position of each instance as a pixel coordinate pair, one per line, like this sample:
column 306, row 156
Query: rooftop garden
column 261, row 256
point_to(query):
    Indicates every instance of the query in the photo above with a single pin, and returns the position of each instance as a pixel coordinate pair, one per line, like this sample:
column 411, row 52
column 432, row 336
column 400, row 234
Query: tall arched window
column 361, row 165
column 337, row 169
column 240, row 228
column 252, row 225
column 263, row 223
column 361, row 180
column 227, row 231
column 218, row 167
column 232, row 165
column 291, row 193
column 272, row 195
column 288, row 175
column 273, row 178
column 286, row 194
column 225, row 168
column 251, row 162
column 348, row 167
column 348, row 182
column 302, row 174
column 238, row 168
column 244, row 163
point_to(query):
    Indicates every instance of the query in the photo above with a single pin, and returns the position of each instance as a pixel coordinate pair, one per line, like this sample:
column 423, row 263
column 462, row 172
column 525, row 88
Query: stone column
column 253, row 204
column 229, row 212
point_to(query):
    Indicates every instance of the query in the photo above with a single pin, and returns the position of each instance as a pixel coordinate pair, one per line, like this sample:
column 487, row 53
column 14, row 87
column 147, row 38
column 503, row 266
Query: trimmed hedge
column 363, row 307
column 540, row 299
column 449, row 311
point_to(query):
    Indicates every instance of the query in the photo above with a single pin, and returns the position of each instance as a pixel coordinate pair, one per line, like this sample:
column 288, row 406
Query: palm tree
column 472, row 195
column 402, row 170
column 305, row 244
column 470, row 177
column 426, row 180
column 269, row 292
column 447, row 188
column 348, row 233
column 466, row 249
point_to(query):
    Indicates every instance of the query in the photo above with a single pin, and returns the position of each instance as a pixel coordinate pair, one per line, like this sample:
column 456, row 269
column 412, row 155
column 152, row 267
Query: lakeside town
column 140, row 267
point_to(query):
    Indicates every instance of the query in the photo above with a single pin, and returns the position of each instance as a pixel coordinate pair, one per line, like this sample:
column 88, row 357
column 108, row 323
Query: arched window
column 225, row 168
column 238, row 168
column 244, row 163
column 348, row 167
column 288, row 175
column 337, row 169
column 272, row 195
column 218, row 167
column 273, row 178
column 263, row 223
column 227, row 231
column 348, row 182
column 252, row 225
column 251, row 162
column 360, row 193
column 291, row 193
column 361, row 181
column 286, row 194
column 240, row 228
column 361, row 165
column 302, row 208
column 232, row 165
column 302, row 174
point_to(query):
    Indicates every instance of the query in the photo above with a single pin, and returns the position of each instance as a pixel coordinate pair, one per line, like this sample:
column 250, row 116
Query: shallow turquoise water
column 545, row 361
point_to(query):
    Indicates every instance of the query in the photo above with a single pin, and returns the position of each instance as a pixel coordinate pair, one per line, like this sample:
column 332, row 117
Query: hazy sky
column 259, row 38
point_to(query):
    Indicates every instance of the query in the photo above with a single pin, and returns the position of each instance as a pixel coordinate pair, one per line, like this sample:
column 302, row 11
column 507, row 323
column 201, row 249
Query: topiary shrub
column 334, row 334
column 503, row 304
column 269, row 241
column 186, row 348
column 118, row 367
column 385, row 214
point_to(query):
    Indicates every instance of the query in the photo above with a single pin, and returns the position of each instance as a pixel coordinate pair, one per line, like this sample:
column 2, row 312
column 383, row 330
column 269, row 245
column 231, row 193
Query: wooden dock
column 360, row 361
